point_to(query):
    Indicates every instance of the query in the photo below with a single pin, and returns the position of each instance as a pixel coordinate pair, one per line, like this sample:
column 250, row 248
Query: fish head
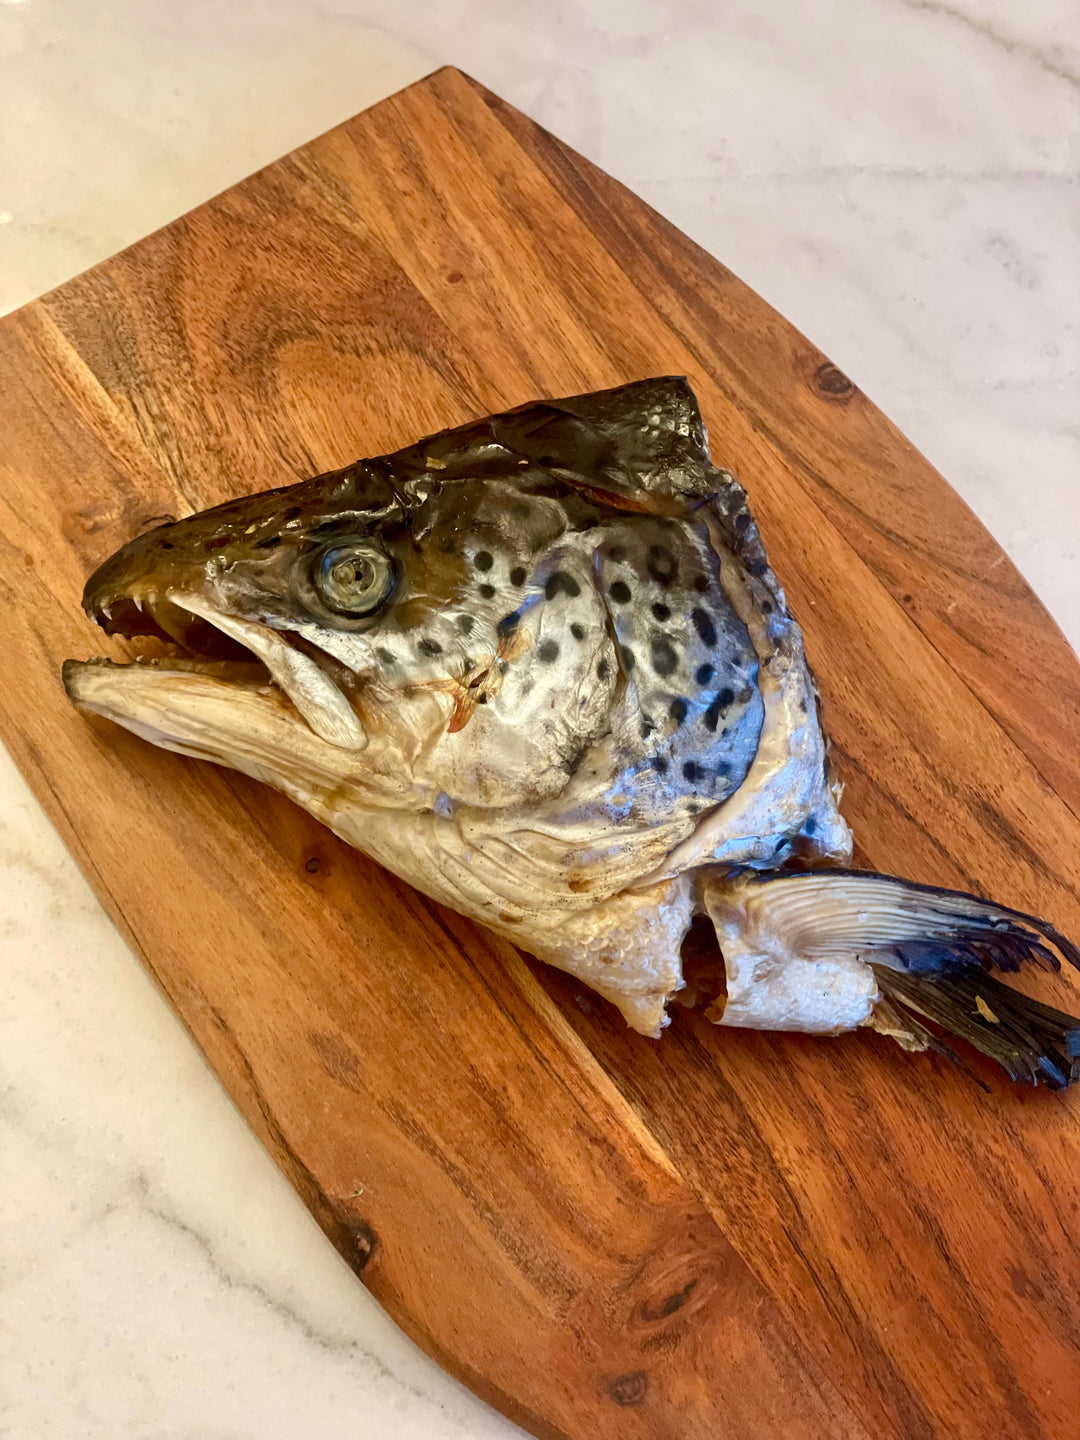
column 523, row 627
column 419, row 629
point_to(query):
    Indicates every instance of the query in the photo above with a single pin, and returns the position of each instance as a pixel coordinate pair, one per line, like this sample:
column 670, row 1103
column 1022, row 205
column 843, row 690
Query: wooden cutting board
column 605, row 1236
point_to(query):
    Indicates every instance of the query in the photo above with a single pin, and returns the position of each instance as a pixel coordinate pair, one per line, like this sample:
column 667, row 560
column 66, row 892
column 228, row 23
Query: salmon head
column 529, row 646
column 539, row 666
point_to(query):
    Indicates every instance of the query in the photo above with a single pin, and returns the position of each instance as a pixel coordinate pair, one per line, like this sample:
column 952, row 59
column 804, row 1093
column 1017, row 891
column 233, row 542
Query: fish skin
column 539, row 666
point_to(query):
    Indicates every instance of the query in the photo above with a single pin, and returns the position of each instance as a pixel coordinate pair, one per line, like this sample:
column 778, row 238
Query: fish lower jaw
column 231, row 649
column 236, row 672
column 190, row 710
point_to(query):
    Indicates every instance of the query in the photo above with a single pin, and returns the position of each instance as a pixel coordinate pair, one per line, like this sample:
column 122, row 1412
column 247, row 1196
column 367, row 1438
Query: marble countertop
column 899, row 178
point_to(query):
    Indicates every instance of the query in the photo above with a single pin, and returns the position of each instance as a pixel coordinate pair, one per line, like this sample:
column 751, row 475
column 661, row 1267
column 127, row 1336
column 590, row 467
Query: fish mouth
column 200, row 680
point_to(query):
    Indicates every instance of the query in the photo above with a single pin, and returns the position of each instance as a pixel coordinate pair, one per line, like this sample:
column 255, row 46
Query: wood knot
column 832, row 383
column 352, row 1235
column 313, row 864
column 364, row 1243
column 629, row 1389
column 661, row 1309
column 455, row 277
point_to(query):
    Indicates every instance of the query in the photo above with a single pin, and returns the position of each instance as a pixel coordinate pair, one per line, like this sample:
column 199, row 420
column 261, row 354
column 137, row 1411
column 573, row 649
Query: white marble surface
column 899, row 177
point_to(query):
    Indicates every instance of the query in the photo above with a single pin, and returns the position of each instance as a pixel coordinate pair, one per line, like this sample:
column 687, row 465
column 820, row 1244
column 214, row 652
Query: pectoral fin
column 833, row 950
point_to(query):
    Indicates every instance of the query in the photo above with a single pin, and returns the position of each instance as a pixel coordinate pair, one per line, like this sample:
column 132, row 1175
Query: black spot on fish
column 629, row 659
column 487, row 592
column 663, row 567
column 659, row 764
column 483, row 560
column 429, row 647
column 270, row 543
column 766, row 607
column 664, row 659
column 647, row 728
column 508, row 624
column 616, row 553
column 693, row 808
column 810, row 826
column 712, row 714
column 465, row 624
column 561, row 583
column 620, row 592
column 517, row 575
column 677, row 709
column 700, row 584
column 481, row 699
column 383, row 656
column 577, row 631
column 704, row 626
column 603, row 670
column 548, row 651
column 726, row 696
column 691, row 770
column 703, row 674
column 661, row 612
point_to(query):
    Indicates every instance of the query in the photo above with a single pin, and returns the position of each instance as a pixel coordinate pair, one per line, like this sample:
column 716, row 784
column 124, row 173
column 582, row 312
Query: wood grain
column 719, row 1233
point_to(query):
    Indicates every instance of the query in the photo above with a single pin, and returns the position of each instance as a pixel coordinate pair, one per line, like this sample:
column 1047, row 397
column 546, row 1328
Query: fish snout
column 128, row 595
column 117, row 594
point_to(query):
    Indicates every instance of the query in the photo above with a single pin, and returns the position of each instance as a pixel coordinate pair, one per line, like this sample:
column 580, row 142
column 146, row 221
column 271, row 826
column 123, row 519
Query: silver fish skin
column 539, row 667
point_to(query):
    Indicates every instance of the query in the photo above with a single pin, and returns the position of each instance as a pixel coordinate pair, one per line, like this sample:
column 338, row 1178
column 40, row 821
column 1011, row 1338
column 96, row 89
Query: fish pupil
column 349, row 573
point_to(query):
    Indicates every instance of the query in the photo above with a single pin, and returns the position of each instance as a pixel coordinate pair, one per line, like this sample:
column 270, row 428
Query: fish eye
column 353, row 579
